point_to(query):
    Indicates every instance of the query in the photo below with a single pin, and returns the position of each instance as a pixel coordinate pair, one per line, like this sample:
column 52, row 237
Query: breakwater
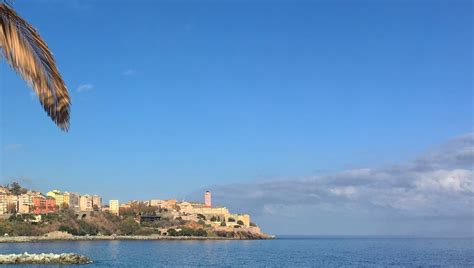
column 44, row 258
column 17, row 239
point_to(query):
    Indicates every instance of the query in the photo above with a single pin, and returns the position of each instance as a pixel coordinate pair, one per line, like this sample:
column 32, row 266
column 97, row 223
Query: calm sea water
column 284, row 252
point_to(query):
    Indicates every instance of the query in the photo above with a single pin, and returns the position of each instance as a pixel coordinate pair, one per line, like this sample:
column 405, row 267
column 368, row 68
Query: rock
column 58, row 235
column 49, row 258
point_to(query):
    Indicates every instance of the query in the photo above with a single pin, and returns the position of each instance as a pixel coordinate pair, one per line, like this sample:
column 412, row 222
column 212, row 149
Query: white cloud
column 439, row 184
column 85, row 87
column 345, row 191
column 457, row 180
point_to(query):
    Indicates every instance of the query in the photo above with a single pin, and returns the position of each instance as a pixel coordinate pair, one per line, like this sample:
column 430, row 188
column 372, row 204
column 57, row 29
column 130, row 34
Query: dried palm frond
column 31, row 58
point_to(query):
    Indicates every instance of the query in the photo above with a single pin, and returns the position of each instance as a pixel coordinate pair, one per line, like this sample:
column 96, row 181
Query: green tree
column 68, row 229
column 11, row 208
column 200, row 232
column 129, row 226
column 5, row 228
column 172, row 232
column 16, row 188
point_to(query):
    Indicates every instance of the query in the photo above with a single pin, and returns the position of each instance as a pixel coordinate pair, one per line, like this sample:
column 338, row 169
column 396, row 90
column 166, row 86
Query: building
column 245, row 218
column 155, row 202
column 43, row 205
column 12, row 203
column 74, row 200
column 114, row 207
column 8, row 201
column 25, row 203
column 199, row 208
column 85, row 203
column 222, row 213
column 169, row 204
column 58, row 196
column 96, row 201
column 4, row 200
column 207, row 199
column 66, row 199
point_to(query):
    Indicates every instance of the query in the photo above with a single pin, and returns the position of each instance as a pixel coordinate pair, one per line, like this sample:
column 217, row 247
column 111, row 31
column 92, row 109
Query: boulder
column 49, row 258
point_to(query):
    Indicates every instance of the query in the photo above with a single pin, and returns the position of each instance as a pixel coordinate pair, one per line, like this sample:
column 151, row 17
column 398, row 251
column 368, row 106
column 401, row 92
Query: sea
column 286, row 251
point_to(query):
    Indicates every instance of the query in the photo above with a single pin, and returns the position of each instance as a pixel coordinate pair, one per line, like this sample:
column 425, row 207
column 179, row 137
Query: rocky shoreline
column 48, row 258
column 18, row 239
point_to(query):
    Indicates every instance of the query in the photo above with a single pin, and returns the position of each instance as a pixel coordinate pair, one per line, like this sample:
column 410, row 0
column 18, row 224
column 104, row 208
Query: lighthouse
column 207, row 199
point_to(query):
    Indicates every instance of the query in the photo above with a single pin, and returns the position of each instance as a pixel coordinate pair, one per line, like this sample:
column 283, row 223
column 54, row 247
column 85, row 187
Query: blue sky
column 170, row 98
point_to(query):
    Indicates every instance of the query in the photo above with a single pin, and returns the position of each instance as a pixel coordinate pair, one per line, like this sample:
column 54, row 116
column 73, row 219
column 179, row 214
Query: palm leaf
column 30, row 57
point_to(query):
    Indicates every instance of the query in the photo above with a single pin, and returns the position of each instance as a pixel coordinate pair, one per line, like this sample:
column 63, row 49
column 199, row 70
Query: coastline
column 24, row 239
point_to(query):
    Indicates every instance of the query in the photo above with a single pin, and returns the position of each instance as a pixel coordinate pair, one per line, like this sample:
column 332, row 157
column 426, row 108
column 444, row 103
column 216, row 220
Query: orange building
column 43, row 205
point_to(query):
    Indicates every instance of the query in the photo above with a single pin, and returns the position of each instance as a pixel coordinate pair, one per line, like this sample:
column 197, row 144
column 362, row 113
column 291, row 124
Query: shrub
column 129, row 226
column 200, row 232
column 144, row 231
column 5, row 228
column 172, row 232
column 68, row 229
column 185, row 232
column 86, row 228
column 191, row 232
column 24, row 229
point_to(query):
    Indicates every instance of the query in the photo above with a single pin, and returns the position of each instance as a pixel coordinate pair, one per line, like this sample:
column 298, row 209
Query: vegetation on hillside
column 104, row 223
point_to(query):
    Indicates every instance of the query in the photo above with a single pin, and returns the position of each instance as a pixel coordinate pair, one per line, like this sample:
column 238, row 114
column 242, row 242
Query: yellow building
column 245, row 218
column 67, row 199
column 208, row 212
column 198, row 208
column 58, row 196
column 114, row 206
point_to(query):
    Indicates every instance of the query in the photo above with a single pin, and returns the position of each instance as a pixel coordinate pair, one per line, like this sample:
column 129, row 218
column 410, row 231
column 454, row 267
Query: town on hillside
column 76, row 214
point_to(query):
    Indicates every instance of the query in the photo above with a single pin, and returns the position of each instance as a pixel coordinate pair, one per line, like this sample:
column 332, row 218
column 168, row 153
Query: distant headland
column 27, row 215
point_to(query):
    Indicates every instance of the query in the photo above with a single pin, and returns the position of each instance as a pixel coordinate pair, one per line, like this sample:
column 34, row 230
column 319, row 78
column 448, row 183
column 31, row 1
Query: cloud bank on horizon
column 430, row 195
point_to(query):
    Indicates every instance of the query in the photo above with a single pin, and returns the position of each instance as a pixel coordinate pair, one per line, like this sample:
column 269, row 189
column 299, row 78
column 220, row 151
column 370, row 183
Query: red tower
column 207, row 199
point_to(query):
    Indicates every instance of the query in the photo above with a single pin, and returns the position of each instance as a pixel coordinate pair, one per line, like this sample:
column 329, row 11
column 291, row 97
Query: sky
column 317, row 117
